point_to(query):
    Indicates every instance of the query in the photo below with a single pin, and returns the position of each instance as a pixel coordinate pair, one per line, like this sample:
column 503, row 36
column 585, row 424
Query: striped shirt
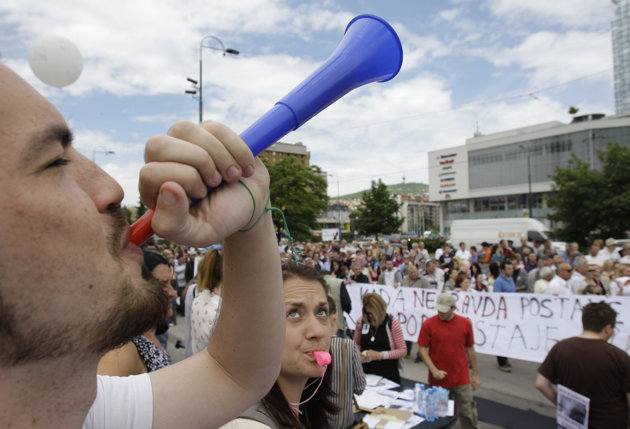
column 346, row 380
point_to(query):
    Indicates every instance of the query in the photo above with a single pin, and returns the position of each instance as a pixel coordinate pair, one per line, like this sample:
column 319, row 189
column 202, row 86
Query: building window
column 497, row 204
column 457, row 206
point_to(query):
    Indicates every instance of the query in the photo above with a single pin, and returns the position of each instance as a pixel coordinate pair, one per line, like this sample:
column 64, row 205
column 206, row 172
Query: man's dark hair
column 597, row 315
column 388, row 258
column 504, row 263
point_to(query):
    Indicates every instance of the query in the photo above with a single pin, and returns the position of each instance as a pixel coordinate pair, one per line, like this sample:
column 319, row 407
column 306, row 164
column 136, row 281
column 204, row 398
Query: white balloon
column 55, row 60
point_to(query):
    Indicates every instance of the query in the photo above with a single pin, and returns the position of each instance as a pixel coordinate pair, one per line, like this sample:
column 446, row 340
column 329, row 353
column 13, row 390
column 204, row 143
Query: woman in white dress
column 207, row 303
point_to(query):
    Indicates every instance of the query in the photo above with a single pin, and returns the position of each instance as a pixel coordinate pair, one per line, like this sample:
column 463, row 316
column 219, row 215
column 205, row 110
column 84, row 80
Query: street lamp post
column 338, row 206
column 199, row 87
column 529, row 180
column 101, row 149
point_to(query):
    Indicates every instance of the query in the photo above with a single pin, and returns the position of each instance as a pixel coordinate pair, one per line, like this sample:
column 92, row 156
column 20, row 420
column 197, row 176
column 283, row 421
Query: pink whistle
column 321, row 357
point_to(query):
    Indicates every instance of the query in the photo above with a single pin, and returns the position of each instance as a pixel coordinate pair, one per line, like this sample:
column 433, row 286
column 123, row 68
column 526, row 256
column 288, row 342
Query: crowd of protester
column 603, row 270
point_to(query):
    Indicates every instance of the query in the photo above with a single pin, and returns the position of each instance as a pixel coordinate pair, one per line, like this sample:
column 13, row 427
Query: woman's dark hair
column 477, row 269
column 460, row 279
column 153, row 259
column 314, row 412
column 494, row 270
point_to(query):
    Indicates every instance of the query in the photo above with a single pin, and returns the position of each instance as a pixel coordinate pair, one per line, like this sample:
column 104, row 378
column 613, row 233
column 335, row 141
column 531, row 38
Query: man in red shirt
column 447, row 347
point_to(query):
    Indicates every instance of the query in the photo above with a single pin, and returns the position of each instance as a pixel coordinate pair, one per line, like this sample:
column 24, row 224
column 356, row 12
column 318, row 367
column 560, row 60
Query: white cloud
column 568, row 13
column 553, row 58
column 125, row 55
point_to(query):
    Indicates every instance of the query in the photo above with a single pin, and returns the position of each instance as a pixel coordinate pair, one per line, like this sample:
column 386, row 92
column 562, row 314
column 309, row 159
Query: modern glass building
column 621, row 55
column 493, row 176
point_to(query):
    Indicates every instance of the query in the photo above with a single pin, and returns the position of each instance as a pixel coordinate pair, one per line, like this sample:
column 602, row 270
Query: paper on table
column 413, row 421
column 372, row 380
column 373, row 423
column 402, row 404
column 386, row 384
column 371, row 399
column 407, row 394
column 370, row 421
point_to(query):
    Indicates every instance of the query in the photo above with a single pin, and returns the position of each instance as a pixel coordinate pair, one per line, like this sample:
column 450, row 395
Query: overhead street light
column 101, row 149
column 198, row 85
column 338, row 205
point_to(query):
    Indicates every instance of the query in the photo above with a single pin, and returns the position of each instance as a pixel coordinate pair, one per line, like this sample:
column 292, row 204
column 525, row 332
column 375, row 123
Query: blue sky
column 491, row 64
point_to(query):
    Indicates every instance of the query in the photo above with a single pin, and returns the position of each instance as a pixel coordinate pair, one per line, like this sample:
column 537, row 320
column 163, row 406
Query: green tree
column 127, row 214
column 140, row 209
column 589, row 203
column 378, row 213
column 300, row 192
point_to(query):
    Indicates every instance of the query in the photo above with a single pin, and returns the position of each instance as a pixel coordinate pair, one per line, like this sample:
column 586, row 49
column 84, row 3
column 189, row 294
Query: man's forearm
column 249, row 335
column 472, row 358
column 545, row 387
column 427, row 359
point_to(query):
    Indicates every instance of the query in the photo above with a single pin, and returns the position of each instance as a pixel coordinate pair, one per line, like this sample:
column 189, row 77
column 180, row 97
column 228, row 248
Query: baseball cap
column 444, row 302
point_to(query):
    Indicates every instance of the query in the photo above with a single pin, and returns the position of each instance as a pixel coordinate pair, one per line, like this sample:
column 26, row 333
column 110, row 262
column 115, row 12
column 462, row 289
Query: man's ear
column 608, row 332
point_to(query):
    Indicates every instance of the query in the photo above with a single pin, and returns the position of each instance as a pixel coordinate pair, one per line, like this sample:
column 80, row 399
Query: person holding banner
column 589, row 365
column 447, row 347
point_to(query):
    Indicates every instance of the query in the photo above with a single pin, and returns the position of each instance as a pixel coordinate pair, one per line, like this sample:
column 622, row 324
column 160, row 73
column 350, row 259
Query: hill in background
column 397, row 189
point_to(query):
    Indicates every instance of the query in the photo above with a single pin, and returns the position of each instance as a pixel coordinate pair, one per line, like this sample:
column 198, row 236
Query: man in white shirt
column 72, row 285
column 463, row 253
column 559, row 285
column 610, row 251
column 387, row 249
column 390, row 276
column 621, row 285
column 434, row 274
column 439, row 252
column 577, row 282
column 541, row 285
column 594, row 257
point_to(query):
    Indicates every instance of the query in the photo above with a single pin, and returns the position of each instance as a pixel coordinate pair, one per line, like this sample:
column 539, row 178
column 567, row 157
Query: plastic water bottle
column 443, row 408
column 416, row 398
column 422, row 402
column 430, row 411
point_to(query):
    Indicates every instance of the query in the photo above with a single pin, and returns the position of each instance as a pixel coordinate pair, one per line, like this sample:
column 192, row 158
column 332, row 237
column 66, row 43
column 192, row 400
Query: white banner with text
column 517, row 325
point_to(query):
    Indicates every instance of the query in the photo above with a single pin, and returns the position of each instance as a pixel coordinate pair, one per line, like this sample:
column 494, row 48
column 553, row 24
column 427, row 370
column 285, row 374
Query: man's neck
column 592, row 335
column 56, row 393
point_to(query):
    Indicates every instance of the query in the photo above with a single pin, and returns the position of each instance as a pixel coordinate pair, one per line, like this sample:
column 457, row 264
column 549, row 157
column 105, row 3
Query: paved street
column 515, row 389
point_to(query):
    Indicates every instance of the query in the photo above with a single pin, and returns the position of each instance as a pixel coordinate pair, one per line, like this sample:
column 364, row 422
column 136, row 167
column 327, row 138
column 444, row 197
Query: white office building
column 621, row 55
column 488, row 177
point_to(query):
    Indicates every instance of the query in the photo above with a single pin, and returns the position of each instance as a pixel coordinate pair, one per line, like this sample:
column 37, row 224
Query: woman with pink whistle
column 299, row 398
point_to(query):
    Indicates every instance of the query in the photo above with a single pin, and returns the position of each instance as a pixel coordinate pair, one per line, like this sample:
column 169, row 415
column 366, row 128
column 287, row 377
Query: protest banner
column 517, row 325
